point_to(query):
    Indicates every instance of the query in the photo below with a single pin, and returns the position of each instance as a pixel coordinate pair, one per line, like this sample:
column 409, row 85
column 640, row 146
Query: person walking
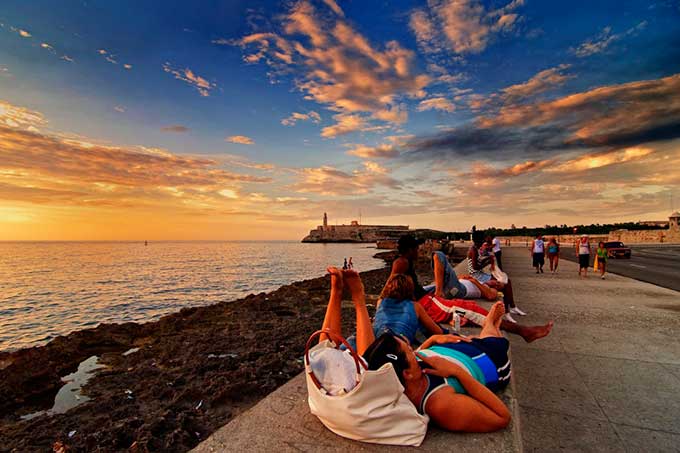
column 601, row 256
column 497, row 251
column 553, row 254
column 350, row 264
column 538, row 253
column 583, row 252
column 345, row 266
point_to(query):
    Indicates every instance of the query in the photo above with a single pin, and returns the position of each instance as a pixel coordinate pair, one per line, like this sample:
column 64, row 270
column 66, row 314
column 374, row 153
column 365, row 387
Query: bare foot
column 495, row 315
column 536, row 332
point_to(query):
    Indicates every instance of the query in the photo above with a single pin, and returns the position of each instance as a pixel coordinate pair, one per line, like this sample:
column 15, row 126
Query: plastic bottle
column 455, row 322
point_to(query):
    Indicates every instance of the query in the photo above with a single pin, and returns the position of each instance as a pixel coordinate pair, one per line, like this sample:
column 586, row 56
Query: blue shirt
column 399, row 316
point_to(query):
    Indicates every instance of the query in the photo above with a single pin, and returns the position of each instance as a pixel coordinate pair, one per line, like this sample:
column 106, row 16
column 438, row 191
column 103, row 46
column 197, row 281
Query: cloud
column 461, row 26
column 345, row 124
column 332, row 4
column 374, row 152
column 67, row 58
column 188, row 76
column 602, row 41
column 436, row 103
column 175, row 128
column 47, row 168
column 44, row 45
column 22, row 33
column 327, row 180
column 20, row 118
column 625, row 115
column 296, row 116
column 240, row 139
column 598, row 160
column 119, row 109
column 127, row 66
column 543, row 81
column 339, row 68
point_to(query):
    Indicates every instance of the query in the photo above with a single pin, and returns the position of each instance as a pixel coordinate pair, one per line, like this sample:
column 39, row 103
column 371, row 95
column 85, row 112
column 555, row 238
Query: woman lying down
column 449, row 377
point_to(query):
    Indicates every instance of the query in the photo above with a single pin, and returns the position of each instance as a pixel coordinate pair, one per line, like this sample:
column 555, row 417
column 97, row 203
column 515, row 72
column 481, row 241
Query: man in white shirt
column 497, row 251
column 538, row 253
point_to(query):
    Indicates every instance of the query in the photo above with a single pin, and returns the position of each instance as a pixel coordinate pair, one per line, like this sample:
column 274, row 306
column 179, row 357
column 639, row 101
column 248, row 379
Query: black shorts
column 539, row 259
column 584, row 261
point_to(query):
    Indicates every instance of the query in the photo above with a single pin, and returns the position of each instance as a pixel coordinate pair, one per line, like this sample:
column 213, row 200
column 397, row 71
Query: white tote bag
column 376, row 410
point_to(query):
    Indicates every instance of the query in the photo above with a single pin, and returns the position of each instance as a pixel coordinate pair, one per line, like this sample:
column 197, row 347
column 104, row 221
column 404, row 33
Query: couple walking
column 538, row 251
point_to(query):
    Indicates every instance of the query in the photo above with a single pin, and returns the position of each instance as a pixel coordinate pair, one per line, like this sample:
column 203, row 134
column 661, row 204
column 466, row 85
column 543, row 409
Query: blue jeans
column 452, row 286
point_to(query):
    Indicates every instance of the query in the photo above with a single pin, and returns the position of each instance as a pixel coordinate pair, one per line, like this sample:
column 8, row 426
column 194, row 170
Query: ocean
column 53, row 288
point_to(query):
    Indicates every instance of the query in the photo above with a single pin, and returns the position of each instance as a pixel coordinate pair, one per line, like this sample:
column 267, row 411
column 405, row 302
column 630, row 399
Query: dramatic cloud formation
column 296, row 116
column 240, row 139
column 628, row 115
column 461, row 26
column 339, row 68
column 188, row 76
column 45, row 168
column 601, row 42
column 175, row 128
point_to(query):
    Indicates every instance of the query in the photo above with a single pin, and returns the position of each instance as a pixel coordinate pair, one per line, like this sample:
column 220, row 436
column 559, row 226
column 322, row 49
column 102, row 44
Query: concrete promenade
column 608, row 377
column 606, row 380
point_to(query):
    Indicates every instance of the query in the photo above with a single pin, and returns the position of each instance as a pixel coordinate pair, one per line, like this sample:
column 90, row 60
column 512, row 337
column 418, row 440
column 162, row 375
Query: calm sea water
column 53, row 288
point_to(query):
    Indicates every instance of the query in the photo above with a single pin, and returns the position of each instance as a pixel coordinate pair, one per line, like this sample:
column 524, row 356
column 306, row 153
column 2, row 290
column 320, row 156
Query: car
column 617, row 249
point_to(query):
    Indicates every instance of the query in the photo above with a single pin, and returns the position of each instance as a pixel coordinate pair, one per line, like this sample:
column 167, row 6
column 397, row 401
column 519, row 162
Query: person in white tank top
column 583, row 252
column 538, row 253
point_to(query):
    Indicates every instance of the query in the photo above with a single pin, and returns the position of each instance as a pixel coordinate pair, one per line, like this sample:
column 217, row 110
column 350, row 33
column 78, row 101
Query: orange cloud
column 296, row 116
column 642, row 110
column 463, row 26
column 240, row 139
column 340, row 68
column 327, row 180
column 372, row 152
column 188, row 76
column 436, row 103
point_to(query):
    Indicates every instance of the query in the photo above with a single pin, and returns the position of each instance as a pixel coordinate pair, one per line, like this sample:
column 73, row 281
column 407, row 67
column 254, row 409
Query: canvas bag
column 376, row 410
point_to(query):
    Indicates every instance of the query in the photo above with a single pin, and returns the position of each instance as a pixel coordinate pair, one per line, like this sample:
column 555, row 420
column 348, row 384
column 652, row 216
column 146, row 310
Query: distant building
column 654, row 223
column 354, row 232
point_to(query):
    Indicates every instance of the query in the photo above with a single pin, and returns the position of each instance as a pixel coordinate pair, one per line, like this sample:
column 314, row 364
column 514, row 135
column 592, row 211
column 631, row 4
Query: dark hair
column 386, row 349
column 408, row 242
column 399, row 287
column 478, row 237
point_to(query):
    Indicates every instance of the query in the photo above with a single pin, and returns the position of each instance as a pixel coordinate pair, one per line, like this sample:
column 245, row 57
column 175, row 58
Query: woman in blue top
column 398, row 313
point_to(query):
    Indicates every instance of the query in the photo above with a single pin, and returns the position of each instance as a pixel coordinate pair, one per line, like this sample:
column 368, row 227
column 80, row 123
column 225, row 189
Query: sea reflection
column 51, row 289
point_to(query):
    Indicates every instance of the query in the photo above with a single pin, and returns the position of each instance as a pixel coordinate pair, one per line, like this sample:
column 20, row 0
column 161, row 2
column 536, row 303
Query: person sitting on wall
column 476, row 263
column 443, row 298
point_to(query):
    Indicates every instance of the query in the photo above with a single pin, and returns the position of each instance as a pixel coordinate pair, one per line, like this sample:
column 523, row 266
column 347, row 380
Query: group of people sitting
column 448, row 376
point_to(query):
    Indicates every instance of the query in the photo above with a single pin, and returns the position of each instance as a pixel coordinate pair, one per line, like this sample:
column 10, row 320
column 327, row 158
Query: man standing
column 538, row 253
column 497, row 251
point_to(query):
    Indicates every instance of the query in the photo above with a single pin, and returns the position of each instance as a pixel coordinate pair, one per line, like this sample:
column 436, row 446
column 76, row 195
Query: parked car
column 617, row 249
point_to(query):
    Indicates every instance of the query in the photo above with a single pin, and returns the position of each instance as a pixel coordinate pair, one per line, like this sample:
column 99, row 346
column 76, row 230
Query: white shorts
column 472, row 291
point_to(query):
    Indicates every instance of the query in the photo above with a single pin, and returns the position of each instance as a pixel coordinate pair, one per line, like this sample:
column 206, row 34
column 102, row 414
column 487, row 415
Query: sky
column 247, row 120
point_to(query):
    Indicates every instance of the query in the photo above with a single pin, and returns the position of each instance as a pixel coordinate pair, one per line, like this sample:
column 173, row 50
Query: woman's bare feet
column 534, row 333
column 492, row 325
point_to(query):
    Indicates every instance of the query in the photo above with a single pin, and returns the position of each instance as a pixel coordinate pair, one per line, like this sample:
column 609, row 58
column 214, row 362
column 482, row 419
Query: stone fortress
column 354, row 232
column 671, row 235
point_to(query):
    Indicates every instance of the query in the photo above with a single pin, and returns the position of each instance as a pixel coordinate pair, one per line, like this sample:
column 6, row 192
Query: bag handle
column 338, row 340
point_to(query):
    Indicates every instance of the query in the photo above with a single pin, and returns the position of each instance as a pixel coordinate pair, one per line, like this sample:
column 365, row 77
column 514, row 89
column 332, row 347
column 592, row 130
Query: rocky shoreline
column 193, row 371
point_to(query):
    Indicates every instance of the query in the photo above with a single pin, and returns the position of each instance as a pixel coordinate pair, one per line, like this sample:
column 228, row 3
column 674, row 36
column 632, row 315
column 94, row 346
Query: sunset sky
column 227, row 119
